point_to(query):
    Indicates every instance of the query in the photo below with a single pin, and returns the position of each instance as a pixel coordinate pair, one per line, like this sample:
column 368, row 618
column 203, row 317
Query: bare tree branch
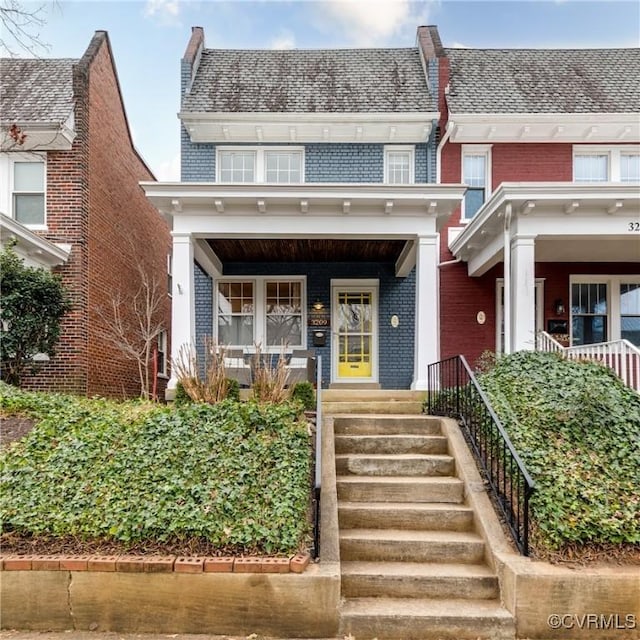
column 21, row 27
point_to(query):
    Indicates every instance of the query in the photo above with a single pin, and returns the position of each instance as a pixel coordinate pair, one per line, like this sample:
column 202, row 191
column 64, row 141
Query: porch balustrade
column 620, row 356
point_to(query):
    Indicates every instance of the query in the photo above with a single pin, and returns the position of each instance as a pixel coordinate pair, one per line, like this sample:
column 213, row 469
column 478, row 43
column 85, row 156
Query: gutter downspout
column 448, row 262
column 506, row 262
column 447, row 134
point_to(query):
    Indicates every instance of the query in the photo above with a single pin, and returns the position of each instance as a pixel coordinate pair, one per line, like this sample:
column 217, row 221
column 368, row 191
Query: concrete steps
column 425, row 619
column 361, row 579
column 412, row 564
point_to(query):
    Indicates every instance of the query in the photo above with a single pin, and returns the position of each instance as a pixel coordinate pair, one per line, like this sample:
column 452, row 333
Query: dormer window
column 280, row 165
column 599, row 163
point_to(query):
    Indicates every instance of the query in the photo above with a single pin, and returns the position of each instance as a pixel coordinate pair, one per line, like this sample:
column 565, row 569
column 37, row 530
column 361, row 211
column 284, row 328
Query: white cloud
column 458, row 45
column 165, row 11
column 169, row 170
column 284, row 40
column 373, row 22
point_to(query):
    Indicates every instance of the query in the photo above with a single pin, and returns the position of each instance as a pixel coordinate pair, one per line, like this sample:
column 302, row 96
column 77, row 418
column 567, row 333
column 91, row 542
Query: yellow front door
column 355, row 324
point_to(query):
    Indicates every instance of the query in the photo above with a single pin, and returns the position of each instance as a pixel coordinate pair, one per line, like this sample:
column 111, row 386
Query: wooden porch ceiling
column 300, row 250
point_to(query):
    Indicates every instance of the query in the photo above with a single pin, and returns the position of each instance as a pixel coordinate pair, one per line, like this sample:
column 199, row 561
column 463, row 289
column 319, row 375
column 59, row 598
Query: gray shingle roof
column 544, row 80
column 36, row 90
column 303, row 81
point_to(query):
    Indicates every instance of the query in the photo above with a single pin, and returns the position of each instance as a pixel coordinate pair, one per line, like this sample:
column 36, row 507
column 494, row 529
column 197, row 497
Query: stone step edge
column 156, row 563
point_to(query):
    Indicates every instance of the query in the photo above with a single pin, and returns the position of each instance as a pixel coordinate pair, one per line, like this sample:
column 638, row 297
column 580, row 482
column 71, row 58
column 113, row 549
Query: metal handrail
column 453, row 390
column 317, row 481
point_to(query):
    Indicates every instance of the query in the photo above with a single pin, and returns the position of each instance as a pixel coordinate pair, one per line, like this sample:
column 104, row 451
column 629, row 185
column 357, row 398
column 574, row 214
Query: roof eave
column 544, row 127
column 272, row 127
column 40, row 136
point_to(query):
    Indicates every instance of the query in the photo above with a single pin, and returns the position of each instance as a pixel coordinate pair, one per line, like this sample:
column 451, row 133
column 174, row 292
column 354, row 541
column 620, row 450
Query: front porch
column 565, row 258
column 350, row 271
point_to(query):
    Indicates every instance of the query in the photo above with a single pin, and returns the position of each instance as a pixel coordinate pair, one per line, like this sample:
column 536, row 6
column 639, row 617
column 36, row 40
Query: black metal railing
column 454, row 391
column 317, row 463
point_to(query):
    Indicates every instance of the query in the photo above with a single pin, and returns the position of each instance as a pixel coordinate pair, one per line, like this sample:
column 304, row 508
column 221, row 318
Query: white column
column 427, row 331
column 523, row 293
column 183, row 316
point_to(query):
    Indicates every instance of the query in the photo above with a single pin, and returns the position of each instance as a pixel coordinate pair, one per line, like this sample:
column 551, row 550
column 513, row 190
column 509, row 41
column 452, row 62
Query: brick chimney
column 191, row 59
column 429, row 42
column 431, row 49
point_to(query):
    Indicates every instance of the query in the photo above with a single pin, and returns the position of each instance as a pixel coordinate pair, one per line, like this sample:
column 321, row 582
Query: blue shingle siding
column 396, row 296
column 324, row 162
column 203, row 286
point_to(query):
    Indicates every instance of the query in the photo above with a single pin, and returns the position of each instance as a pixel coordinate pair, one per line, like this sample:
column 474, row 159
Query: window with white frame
column 162, row 353
column 599, row 163
column 605, row 308
column 476, row 174
column 170, row 273
column 399, row 163
column 265, row 310
column 28, row 191
column 283, row 165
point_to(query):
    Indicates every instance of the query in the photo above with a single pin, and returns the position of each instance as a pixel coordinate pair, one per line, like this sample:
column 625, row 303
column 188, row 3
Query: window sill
column 162, row 376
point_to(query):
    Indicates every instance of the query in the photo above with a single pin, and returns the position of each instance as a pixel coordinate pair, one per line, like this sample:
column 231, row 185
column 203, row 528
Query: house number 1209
column 634, row 226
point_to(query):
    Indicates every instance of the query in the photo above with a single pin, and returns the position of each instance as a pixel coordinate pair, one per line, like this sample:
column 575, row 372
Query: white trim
column 7, row 173
column 613, row 314
column 260, row 311
column 366, row 285
column 410, row 149
column 476, row 150
column 163, row 367
column 274, row 127
column 613, row 153
column 500, row 309
column 260, row 164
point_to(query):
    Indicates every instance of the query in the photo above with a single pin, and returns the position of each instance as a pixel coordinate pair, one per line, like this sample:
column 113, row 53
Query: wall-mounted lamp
column 558, row 307
column 318, row 305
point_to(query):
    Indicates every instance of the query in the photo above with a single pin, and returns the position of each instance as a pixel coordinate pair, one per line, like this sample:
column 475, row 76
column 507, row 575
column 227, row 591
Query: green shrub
column 235, row 475
column 304, row 393
column 181, row 397
column 233, row 389
column 576, row 427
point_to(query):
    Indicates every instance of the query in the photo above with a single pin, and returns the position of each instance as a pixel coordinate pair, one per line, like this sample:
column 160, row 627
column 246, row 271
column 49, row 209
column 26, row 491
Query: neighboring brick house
column 70, row 196
column 309, row 177
column 547, row 141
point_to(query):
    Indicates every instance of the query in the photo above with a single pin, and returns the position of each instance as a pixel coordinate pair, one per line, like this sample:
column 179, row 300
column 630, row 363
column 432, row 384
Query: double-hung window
column 476, row 174
column 399, row 163
column 28, row 192
column 264, row 310
column 162, row 353
column 599, row 163
column 282, row 165
column 605, row 308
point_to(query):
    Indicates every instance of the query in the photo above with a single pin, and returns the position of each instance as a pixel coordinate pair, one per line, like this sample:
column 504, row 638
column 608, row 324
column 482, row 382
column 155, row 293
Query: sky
column 148, row 38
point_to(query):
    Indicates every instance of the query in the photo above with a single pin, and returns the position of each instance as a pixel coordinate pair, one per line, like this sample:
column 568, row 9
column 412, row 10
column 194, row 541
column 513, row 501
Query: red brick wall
column 94, row 202
column 125, row 230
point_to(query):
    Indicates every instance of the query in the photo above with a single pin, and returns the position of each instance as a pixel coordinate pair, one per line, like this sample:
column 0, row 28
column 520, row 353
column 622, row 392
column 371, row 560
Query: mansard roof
column 544, row 81
column 310, row 81
column 38, row 91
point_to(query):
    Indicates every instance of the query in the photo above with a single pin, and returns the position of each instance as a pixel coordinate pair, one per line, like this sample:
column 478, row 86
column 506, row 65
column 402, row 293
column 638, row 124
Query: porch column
column 427, row 329
column 183, row 303
column 523, row 294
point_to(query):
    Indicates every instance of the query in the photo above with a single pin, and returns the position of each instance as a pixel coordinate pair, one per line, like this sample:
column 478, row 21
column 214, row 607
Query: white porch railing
column 619, row 355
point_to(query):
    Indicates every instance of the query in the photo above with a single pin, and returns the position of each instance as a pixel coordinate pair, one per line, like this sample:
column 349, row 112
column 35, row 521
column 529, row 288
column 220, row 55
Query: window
column 605, row 308
column 170, row 273
column 282, row 165
column 162, row 353
column 476, row 172
column 630, row 312
column 598, row 163
column 28, row 192
column 284, row 313
column 630, row 167
column 265, row 310
column 399, row 164
column 236, row 310
column 589, row 313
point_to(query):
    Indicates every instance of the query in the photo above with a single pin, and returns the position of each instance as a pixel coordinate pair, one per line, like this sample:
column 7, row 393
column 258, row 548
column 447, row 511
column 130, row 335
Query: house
column 308, row 215
column 548, row 235
column 70, row 198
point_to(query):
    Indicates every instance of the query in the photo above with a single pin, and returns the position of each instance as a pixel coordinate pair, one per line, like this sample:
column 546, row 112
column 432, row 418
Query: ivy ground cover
column 226, row 478
column 577, row 429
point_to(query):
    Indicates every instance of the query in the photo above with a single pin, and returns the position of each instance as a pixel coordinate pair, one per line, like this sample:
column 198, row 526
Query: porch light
column 558, row 306
column 318, row 305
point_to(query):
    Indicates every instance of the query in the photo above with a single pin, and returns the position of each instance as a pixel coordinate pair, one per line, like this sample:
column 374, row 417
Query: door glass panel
column 355, row 338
